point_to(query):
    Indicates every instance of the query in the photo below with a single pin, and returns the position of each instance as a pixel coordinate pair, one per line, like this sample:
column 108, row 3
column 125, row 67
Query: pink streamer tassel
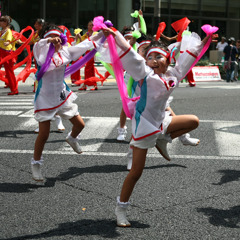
column 209, row 30
column 117, row 66
column 118, row 70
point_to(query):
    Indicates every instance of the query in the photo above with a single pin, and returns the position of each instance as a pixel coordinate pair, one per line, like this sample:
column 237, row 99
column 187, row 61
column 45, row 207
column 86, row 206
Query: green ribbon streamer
column 106, row 65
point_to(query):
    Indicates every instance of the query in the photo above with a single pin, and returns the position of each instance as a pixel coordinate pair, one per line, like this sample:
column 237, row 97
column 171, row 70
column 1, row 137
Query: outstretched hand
column 214, row 38
column 108, row 31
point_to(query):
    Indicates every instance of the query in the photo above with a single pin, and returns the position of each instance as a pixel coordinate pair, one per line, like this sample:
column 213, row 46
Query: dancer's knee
column 195, row 122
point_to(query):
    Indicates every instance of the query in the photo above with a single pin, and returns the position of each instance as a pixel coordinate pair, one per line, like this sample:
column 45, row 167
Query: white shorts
column 150, row 142
column 66, row 112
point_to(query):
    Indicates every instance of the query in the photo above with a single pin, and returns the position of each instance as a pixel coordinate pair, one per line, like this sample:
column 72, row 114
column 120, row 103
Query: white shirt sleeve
column 79, row 49
column 135, row 65
column 40, row 50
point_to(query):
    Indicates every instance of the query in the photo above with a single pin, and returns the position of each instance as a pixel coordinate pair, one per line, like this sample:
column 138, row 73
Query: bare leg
column 123, row 118
column 44, row 129
column 182, row 124
column 78, row 125
column 37, row 160
column 139, row 158
column 71, row 139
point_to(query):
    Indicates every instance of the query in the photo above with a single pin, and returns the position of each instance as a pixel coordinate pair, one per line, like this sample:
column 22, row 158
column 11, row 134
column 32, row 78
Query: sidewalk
column 30, row 80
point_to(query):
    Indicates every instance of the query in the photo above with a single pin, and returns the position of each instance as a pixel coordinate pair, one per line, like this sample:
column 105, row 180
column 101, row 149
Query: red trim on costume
column 193, row 55
column 94, row 44
column 148, row 135
column 48, row 109
column 166, row 85
column 125, row 53
column 60, row 58
column 181, row 51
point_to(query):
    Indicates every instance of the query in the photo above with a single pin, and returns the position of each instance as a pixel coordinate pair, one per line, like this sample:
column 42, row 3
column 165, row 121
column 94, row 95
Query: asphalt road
column 195, row 196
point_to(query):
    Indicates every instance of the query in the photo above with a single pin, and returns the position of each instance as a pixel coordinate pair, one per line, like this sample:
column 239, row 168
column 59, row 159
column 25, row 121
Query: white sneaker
column 161, row 145
column 36, row 170
column 129, row 158
column 59, row 123
column 73, row 142
column 36, row 130
column 122, row 132
column 187, row 140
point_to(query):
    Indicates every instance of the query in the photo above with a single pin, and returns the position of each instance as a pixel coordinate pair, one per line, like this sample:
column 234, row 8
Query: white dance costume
column 149, row 113
column 53, row 95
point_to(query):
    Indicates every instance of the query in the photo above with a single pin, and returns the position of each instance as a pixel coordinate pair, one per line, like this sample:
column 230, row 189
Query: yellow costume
column 6, row 37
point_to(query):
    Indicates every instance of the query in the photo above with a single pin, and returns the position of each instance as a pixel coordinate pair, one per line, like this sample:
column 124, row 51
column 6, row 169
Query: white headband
column 54, row 31
column 127, row 35
column 143, row 42
column 158, row 50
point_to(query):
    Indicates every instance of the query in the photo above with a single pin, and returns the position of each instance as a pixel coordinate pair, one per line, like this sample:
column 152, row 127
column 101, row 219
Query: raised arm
column 132, row 62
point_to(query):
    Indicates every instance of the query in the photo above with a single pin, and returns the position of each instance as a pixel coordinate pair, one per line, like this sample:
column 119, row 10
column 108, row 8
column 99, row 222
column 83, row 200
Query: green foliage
column 203, row 62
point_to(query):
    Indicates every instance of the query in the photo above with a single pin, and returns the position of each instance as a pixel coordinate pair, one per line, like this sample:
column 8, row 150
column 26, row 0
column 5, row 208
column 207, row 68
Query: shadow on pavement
column 15, row 133
column 226, row 218
column 72, row 172
column 228, row 176
column 166, row 166
column 18, row 187
column 86, row 227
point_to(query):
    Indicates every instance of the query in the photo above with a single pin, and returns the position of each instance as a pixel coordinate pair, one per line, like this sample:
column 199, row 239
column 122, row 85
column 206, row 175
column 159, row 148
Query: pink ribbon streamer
column 209, row 30
column 117, row 67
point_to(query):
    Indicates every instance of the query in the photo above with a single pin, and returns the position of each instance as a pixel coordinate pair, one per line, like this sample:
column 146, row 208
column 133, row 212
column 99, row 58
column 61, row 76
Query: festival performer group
column 9, row 54
column 6, row 49
column 145, row 91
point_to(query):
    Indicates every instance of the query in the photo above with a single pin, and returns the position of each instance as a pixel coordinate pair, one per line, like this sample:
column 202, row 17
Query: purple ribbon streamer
column 50, row 53
column 80, row 63
column 46, row 65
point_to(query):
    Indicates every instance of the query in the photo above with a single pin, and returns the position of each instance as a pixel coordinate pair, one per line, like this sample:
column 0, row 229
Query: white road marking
column 227, row 87
column 29, row 114
column 227, row 138
column 16, row 103
column 16, row 107
column 17, row 97
column 220, row 121
column 10, row 113
column 97, row 129
column 227, row 133
column 210, row 85
column 117, row 154
column 28, row 124
column 17, row 100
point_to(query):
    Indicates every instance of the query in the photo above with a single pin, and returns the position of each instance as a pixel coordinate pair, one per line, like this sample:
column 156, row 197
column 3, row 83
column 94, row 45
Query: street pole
column 157, row 14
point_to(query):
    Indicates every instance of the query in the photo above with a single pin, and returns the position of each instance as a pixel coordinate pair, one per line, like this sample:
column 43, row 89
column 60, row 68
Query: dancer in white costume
column 53, row 96
column 185, row 138
column 150, row 124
